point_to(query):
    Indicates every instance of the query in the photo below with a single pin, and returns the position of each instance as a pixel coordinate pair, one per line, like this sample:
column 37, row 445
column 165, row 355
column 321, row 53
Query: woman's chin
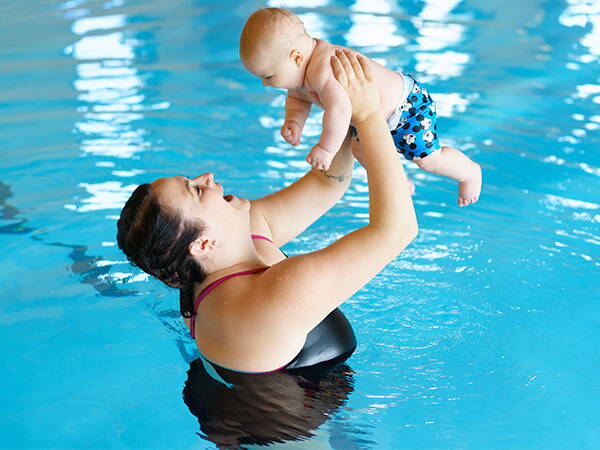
column 245, row 203
column 237, row 202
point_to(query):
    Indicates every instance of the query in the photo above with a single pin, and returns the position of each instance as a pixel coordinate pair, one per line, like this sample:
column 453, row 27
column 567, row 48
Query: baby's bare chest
column 389, row 83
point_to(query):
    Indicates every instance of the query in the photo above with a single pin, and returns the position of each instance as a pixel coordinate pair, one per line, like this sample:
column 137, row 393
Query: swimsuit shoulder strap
column 208, row 289
column 260, row 236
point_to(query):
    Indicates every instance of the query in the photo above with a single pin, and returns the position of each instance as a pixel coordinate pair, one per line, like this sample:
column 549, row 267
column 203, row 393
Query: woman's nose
column 207, row 178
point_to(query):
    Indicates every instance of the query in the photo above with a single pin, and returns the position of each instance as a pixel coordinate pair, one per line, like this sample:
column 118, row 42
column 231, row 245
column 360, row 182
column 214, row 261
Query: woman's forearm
column 392, row 219
column 389, row 198
column 341, row 167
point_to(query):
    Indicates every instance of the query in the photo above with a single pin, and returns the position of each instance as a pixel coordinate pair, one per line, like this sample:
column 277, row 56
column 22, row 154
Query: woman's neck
column 231, row 259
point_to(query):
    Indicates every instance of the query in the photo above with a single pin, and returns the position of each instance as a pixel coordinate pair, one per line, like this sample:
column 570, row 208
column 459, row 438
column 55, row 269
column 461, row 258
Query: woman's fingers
column 356, row 67
column 346, row 64
column 366, row 69
column 338, row 71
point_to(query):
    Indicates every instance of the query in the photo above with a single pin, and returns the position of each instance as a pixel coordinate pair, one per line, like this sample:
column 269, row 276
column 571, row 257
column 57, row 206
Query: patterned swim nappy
column 413, row 124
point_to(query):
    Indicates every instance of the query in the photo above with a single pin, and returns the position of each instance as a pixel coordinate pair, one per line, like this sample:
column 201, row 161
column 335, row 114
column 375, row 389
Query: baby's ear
column 296, row 57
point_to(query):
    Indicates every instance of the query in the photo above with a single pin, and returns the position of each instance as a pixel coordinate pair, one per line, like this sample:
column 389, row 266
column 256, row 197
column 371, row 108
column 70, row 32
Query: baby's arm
column 296, row 112
column 336, row 120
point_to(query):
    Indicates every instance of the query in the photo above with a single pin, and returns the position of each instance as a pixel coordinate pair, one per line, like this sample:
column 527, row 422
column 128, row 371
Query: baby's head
column 275, row 47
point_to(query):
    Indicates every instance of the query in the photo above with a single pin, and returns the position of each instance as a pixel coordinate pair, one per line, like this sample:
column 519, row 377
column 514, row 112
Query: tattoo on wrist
column 339, row 178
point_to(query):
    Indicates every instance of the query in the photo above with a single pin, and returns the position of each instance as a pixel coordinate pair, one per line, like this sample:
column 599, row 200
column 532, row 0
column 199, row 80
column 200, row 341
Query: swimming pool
column 483, row 334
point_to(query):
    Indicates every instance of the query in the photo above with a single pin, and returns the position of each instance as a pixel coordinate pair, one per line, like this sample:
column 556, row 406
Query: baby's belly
column 391, row 90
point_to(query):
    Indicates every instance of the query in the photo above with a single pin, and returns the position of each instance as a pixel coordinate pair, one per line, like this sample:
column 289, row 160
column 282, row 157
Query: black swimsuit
column 332, row 339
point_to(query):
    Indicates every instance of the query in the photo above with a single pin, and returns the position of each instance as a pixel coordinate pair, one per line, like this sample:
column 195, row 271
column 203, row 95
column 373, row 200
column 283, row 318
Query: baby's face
column 276, row 69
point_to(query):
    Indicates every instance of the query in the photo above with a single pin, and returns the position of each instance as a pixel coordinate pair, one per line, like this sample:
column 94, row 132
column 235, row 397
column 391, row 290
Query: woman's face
column 201, row 198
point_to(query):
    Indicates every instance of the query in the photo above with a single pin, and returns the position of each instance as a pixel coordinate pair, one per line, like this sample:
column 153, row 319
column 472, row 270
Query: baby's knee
column 430, row 162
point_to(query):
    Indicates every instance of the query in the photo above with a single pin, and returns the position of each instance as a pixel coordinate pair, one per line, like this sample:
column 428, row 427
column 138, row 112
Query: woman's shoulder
column 221, row 301
column 237, row 319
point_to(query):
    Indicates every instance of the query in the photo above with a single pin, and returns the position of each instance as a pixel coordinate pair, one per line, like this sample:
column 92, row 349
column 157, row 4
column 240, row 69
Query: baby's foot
column 470, row 188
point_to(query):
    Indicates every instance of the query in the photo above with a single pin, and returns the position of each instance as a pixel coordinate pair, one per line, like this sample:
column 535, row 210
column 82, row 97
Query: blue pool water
column 483, row 334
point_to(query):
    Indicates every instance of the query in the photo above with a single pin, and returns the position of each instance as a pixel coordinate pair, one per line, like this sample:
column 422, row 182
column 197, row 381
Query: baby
column 275, row 47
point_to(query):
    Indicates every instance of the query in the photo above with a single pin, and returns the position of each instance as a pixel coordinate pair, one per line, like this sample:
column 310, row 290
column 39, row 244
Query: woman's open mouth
column 228, row 197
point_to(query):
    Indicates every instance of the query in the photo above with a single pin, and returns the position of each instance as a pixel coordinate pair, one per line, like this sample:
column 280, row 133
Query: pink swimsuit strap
column 259, row 236
column 208, row 289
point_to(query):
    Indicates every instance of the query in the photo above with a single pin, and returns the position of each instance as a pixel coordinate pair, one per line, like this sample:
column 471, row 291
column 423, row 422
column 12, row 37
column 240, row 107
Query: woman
column 248, row 307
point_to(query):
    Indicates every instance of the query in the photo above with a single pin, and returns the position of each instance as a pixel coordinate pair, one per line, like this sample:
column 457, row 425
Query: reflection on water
column 112, row 101
column 373, row 32
column 236, row 409
column 9, row 212
column 585, row 14
column 109, row 88
column 94, row 270
column 107, row 195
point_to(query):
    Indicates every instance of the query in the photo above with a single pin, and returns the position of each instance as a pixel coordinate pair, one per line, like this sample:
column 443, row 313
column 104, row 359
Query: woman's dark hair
column 156, row 239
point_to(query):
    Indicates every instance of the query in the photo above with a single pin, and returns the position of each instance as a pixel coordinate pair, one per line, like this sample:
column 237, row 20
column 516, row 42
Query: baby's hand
column 320, row 158
column 291, row 132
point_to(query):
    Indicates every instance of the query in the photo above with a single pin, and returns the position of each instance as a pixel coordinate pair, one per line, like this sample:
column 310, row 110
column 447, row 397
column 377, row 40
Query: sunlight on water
column 375, row 31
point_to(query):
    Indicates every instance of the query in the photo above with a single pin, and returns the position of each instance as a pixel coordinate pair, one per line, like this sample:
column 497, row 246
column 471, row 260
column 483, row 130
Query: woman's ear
column 297, row 57
column 201, row 246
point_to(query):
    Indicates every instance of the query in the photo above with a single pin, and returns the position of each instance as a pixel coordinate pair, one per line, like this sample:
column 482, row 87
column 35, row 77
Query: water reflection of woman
column 235, row 409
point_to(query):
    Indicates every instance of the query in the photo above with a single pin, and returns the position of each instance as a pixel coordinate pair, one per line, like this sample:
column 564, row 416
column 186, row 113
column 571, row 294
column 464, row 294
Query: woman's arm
column 299, row 292
column 285, row 214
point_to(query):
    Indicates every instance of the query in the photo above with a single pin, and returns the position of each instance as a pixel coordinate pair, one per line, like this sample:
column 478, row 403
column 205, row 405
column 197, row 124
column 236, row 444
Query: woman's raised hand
column 353, row 72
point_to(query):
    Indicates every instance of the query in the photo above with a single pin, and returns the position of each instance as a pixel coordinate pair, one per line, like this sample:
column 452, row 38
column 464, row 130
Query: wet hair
column 274, row 25
column 156, row 239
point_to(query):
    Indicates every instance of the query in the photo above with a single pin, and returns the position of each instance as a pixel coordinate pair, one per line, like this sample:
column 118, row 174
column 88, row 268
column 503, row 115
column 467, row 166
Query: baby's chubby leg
column 320, row 158
column 454, row 164
column 358, row 154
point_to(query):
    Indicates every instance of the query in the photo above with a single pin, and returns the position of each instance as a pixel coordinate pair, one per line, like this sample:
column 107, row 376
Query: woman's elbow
column 413, row 231
column 407, row 233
